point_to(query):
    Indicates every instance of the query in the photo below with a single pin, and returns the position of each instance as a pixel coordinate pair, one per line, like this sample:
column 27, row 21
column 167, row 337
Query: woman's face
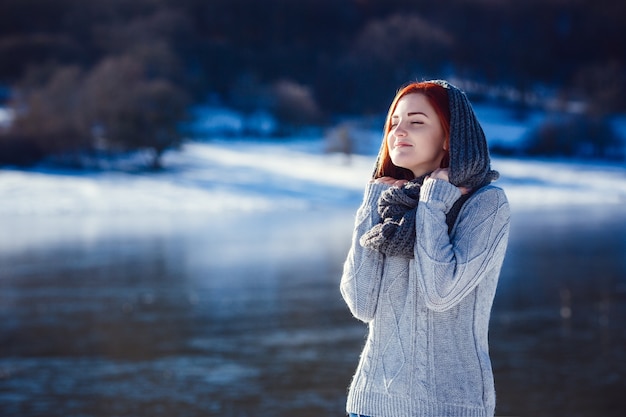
column 416, row 140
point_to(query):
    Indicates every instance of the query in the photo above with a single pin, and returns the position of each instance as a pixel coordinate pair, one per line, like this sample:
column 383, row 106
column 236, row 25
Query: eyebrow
column 415, row 113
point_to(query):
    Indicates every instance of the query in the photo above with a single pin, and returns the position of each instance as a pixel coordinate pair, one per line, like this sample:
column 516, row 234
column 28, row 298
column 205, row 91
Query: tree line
column 111, row 75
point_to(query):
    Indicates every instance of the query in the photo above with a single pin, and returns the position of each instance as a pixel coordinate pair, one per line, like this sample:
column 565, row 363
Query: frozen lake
column 241, row 315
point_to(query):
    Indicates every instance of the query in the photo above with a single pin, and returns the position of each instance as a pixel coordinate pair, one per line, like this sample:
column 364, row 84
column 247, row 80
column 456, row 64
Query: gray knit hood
column 470, row 165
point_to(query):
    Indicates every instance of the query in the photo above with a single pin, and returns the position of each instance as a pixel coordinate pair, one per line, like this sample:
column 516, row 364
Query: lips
column 402, row 145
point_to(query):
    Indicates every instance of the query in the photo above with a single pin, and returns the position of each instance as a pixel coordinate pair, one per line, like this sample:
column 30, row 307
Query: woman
column 429, row 241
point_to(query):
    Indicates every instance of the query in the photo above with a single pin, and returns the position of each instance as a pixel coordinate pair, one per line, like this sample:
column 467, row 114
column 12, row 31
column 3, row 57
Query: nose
column 398, row 131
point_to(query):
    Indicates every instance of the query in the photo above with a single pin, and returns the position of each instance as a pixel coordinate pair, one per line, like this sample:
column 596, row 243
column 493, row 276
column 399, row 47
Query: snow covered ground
column 231, row 176
column 260, row 175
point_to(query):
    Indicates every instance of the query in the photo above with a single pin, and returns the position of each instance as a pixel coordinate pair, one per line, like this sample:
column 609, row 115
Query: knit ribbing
column 378, row 404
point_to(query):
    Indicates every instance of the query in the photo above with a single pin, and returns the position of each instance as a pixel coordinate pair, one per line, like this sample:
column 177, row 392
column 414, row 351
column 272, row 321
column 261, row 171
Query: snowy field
column 222, row 177
column 261, row 175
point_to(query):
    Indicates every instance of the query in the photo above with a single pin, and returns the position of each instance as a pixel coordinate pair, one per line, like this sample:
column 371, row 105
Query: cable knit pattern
column 426, row 352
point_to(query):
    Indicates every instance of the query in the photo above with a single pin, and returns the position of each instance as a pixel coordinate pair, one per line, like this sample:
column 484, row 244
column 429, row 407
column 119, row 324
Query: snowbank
column 239, row 176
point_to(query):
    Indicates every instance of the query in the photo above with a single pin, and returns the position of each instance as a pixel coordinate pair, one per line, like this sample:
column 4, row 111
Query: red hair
column 438, row 97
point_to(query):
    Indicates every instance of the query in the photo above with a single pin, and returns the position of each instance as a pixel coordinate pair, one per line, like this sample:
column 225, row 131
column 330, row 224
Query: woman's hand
column 389, row 181
column 442, row 174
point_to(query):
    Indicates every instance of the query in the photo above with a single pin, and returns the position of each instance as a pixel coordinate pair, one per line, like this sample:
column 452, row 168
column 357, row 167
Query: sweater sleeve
column 362, row 270
column 448, row 267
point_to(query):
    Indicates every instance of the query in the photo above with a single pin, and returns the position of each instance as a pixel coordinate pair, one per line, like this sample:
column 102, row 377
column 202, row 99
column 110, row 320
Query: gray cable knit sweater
column 427, row 350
